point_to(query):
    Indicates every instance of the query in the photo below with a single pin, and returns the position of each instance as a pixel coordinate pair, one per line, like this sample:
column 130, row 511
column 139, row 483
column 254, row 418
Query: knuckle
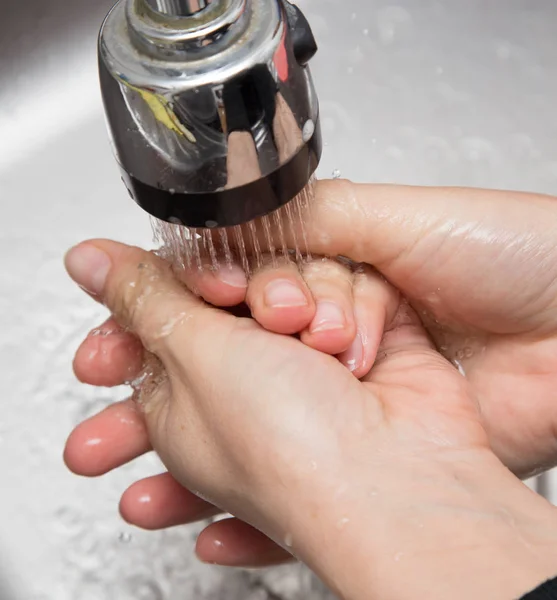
column 328, row 270
column 132, row 287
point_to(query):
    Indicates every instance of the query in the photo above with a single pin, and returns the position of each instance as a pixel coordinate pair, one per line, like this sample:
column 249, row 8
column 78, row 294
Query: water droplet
column 288, row 540
column 138, row 381
column 308, row 130
column 125, row 537
column 336, row 174
column 172, row 191
column 460, row 368
column 211, row 224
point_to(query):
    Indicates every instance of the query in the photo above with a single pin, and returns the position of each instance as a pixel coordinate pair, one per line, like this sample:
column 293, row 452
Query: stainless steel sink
column 429, row 92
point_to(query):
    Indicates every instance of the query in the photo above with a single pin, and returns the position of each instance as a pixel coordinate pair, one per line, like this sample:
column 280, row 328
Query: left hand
column 110, row 356
column 347, row 473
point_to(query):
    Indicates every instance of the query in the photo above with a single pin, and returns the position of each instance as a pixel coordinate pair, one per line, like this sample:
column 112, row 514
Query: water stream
column 252, row 245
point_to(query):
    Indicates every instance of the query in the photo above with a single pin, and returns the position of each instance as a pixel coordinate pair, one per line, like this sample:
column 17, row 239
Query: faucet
column 211, row 108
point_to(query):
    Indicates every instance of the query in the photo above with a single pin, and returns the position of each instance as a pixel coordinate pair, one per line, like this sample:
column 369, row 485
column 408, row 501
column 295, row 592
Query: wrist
column 459, row 529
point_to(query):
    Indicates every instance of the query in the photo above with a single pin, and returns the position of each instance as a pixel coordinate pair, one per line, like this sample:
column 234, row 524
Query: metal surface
column 180, row 95
column 178, row 8
column 430, row 92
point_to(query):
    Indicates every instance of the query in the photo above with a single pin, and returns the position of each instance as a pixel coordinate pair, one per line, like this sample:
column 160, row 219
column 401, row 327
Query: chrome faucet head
column 211, row 107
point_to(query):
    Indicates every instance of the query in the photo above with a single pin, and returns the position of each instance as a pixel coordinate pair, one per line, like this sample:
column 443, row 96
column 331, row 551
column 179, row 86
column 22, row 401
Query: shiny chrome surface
column 433, row 92
column 182, row 93
column 178, row 8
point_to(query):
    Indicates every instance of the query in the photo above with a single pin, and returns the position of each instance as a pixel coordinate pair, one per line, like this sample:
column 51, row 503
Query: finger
column 333, row 328
column 405, row 332
column 279, row 299
column 109, row 356
column 160, row 502
column 223, row 287
column 107, row 441
column 233, row 543
column 407, row 363
column 375, row 305
column 140, row 290
column 405, row 346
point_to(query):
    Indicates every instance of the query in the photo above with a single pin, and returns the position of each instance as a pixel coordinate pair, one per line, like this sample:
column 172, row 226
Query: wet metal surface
column 429, row 92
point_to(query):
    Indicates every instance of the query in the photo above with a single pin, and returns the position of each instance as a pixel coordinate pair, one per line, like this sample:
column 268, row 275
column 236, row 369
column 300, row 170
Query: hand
column 480, row 267
column 349, row 474
column 520, row 432
column 283, row 300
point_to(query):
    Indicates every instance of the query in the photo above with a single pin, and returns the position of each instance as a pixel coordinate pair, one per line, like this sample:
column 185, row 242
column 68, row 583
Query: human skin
column 455, row 254
column 386, row 487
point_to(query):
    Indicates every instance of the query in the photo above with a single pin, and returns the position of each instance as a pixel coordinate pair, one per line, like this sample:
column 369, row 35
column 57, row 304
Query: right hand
column 480, row 268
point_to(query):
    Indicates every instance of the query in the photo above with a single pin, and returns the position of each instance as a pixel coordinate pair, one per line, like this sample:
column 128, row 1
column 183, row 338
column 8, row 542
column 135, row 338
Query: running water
column 226, row 248
column 241, row 247
column 281, row 235
column 266, row 222
column 252, row 245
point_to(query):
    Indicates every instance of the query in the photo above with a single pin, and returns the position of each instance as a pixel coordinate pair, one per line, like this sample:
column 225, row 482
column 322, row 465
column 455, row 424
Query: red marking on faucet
column 281, row 58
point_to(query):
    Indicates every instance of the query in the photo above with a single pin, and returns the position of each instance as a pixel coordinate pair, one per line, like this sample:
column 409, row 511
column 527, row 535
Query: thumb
column 439, row 243
column 138, row 288
column 384, row 222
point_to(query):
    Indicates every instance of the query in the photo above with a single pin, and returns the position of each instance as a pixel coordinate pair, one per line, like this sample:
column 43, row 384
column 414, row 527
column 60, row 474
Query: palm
column 412, row 398
column 514, row 378
column 505, row 345
column 480, row 270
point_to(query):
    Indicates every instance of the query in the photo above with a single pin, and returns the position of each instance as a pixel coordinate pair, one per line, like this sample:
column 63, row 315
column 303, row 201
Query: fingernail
column 328, row 316
column 282, row 293
column 354, row 356
column 88, row 266
column 233, row 275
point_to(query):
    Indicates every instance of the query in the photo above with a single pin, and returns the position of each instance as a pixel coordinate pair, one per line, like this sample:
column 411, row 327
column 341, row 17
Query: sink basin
column 448, row 93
